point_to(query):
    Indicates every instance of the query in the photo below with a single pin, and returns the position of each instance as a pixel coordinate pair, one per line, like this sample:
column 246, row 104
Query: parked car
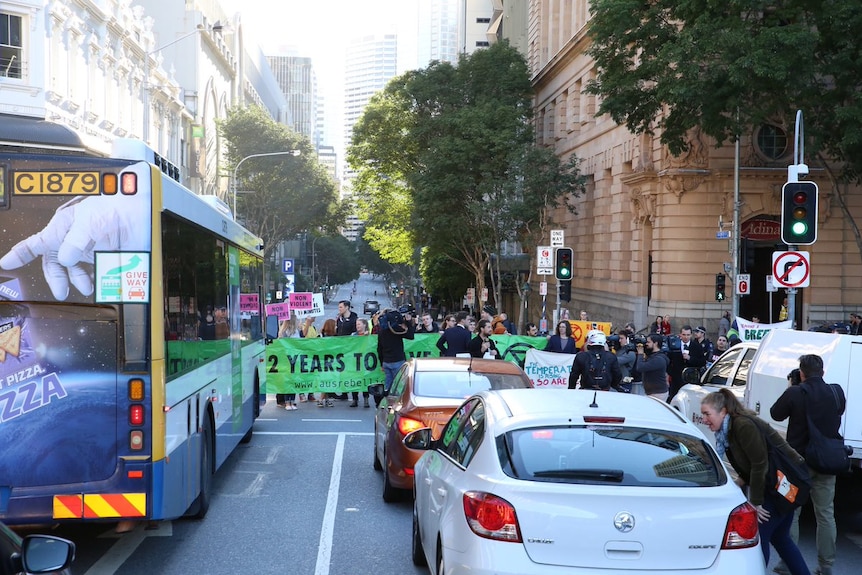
column 424, row 393
column 550, row 481
column 34, row 554
column 370, row 307
column 730, row 370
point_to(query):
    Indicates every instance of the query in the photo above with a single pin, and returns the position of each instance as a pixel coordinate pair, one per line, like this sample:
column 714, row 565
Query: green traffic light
column 564, row 272
column 799, row 228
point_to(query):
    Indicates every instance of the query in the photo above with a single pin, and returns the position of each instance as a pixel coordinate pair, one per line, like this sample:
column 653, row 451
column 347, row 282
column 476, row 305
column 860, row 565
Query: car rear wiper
column 615, row 475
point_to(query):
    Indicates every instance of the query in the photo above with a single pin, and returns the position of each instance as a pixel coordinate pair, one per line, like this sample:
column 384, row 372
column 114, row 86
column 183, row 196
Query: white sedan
column 574, row 482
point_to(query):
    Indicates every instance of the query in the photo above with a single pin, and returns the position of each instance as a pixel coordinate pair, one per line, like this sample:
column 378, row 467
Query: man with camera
column 395, row 327
column 824, row 404
column 652, row 366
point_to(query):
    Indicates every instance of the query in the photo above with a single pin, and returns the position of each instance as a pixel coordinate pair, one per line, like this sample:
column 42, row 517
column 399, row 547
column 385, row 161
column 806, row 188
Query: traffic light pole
column 793, row 173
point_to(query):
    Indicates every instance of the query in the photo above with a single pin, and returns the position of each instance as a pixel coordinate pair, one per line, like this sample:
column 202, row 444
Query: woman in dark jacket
column 562, row 341
column 741, row 435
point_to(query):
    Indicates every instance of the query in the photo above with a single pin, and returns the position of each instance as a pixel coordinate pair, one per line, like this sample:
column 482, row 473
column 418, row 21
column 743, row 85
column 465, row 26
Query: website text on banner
column 342, row 364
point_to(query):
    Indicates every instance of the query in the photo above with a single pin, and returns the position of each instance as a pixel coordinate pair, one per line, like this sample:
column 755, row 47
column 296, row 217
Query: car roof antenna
column 594, row 404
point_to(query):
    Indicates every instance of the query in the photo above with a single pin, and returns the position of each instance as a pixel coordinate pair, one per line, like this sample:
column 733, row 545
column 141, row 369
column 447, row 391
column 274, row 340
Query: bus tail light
column 136, row 415
column 109, row 184
column 136, row 389
column 129, row 183
column 136, row 440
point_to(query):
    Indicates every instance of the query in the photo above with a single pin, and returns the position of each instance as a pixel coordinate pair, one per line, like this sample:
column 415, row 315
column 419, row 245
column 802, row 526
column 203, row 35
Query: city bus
column 131, row 336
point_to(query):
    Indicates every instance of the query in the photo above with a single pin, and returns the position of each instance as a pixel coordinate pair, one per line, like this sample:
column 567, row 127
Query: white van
column 759, row 372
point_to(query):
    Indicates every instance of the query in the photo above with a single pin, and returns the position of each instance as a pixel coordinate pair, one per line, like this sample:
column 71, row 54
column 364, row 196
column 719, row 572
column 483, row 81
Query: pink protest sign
column 302, row 300
column 249, row 303
column 280, row 310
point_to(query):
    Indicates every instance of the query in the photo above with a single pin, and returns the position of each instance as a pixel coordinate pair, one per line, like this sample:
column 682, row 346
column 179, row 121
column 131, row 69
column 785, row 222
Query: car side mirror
column 691, row 375
column 419, row 439
column 376, row 390
column 46, row 553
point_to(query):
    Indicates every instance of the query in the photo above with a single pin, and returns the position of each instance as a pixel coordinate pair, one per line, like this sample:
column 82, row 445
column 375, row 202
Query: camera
column 637, row 339
column 614, row 342
column 407, row 308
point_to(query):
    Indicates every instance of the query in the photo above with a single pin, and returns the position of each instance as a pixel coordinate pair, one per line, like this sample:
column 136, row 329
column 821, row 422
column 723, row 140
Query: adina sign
column 761, row 229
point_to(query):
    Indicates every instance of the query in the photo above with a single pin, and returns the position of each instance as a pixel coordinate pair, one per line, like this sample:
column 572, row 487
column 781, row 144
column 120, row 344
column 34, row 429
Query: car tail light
column 491, row 517
column 741, row 531
column 408, row 424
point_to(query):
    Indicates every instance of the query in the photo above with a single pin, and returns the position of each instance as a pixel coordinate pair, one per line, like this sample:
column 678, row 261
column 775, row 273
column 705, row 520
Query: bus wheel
column 201, row 505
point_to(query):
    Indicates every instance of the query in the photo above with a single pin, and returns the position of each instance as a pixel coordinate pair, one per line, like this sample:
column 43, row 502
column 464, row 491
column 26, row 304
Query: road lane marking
column 327, row 530
column 127, row 543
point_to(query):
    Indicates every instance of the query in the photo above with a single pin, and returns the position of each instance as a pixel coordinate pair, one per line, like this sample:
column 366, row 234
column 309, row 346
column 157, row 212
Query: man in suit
column 690, row 354
column 456, row 339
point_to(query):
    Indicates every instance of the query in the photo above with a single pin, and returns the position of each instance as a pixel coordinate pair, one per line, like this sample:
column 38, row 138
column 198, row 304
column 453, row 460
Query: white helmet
column 596, row 337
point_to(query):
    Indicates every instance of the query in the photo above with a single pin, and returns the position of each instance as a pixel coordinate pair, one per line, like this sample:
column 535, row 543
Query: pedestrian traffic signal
column 563, row 263
column 565, row 290
column 799, row 213
column 719, row 287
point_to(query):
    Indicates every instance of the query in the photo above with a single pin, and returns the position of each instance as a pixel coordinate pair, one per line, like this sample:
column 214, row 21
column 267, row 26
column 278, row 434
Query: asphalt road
column 303, row 498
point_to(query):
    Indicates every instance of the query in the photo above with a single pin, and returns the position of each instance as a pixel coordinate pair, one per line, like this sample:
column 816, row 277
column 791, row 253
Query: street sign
column 791, row 269
column 544, row 260
column 287, row 265
column 743, row 284
column 484, row 295
column 770, row 284
column 722, row 235
column 543, row 288
column 557, row 238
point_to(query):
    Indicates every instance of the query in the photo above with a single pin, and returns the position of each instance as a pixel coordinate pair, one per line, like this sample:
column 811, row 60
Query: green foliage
column 369, row 258
column 724, row 66
column 445, row 282
column 446, row 159
column 336, row 260
column 285, row 194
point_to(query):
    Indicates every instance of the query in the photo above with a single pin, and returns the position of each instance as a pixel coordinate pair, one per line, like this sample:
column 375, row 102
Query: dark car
column 425, row 393
column 34, row 554
column 371, row 307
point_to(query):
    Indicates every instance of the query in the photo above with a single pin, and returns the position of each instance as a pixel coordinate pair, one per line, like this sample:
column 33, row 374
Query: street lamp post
column 217, row 27
column 236, row 168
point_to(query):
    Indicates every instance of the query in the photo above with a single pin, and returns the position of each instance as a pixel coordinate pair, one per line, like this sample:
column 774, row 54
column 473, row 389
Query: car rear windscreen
column 460, row 384
column 607, row 454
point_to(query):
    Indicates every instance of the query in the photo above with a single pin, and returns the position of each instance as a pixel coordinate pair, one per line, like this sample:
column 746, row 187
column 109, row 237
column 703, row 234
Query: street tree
column 336, row 260
column 666, row 67
column 282, row 195
column 458, row 144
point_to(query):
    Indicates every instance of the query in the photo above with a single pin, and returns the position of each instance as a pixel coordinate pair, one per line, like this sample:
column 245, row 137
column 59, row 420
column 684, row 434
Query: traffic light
column 799, row 213
column 563, row 263
column 719, row 287
column 565, row 290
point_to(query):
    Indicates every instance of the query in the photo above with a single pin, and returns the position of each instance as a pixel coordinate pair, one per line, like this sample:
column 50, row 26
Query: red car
column 425, row 393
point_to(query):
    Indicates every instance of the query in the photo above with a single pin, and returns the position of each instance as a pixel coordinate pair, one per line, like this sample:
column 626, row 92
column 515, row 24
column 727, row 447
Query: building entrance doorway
column 760, row 237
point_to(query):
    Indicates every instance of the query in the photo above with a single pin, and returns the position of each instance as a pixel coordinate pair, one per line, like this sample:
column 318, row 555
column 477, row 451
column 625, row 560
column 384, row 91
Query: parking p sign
column 287, row 265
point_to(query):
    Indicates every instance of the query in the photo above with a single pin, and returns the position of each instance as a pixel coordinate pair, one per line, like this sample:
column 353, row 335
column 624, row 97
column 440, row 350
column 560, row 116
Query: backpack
column 826, row 454
column 597, row 368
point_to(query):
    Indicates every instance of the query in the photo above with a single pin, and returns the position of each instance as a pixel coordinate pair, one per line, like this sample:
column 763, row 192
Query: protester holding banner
column 455, row 339
column 482, row 345
column 288, row 328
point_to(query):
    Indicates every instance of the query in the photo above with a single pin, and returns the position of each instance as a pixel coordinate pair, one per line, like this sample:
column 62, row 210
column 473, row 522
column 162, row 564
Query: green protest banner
column 342, row 364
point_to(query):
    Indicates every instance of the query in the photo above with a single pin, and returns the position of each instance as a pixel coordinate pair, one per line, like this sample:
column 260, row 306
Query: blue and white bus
column 131, row 336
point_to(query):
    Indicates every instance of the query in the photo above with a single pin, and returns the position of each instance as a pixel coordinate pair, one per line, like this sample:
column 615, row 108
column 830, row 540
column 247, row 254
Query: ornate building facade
column 645, row 232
